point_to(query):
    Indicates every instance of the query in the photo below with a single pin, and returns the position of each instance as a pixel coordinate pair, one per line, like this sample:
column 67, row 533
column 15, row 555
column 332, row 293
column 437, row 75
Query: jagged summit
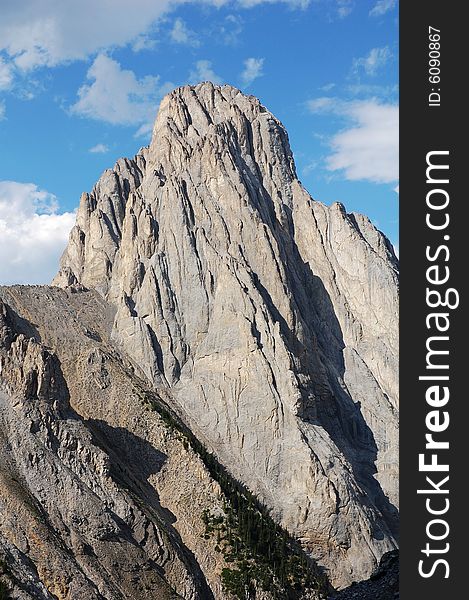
column 267, row 320
column 215, row 101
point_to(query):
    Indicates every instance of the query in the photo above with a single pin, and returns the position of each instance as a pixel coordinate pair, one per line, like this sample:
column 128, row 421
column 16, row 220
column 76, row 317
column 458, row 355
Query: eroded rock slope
column 104, row 493
column 269, row 318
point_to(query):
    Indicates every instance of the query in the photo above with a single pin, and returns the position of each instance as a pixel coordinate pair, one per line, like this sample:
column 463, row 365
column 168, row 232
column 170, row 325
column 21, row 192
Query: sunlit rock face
column 268, row 318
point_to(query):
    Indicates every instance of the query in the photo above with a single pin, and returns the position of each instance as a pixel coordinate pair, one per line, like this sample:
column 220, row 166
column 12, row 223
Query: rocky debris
column 103, row 490
column 65, row 510
column 269, row 318
column 382, row 585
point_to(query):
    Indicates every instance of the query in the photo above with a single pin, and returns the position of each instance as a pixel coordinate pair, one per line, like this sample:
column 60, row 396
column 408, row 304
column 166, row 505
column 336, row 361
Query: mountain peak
column 233, row 121
column 269, row 318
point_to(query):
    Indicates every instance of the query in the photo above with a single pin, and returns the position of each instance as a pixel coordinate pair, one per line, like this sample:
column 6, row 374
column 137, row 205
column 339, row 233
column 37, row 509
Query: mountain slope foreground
column 221, row 343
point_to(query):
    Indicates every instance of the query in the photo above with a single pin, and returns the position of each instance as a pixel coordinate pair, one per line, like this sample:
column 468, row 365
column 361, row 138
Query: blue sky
column 80, row 83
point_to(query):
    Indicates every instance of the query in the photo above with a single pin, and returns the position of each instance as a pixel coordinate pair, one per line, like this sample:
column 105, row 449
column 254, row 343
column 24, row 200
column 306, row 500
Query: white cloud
column 181, row 34
column 344, row 8
column 382, row 7
column 252, row 70
column 375, row 90
column 144, row 42
column 32, row 233
column 373, row 61
column 293, row 3
column 203, row 72
column 230, row 29
column 116, row 96
column 145, row 130
column 2, row 110
column 369, row 148
column 325, row 104
column 48, row 32
column 99, row 149
column 6, row 75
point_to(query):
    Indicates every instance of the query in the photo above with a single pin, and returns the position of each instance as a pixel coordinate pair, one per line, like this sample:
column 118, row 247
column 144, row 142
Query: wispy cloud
column 326, row 104
column 292, row 3
column 376, row 90
column 99, row 149
column 203, row 72
column 144, row 42
column 47, row 33
column 181, row 34
column 309, row 167
column 229, row 30
column 382, row 7
column 252, row 70
column 344, row 8
column 117, row 96
column 6, row 74
column 375, row 60
column 33, row 233
column 368, row 148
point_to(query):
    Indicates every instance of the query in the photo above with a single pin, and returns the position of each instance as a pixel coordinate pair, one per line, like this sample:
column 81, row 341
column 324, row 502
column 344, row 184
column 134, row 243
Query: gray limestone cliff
column 267, row 321
column 104, row 494
column 271, row 318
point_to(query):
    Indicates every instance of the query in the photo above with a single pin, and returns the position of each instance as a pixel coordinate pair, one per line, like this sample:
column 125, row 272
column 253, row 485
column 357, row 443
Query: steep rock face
column 96, row 236
column 103, row 492
column 269, row 317
column 89, row 478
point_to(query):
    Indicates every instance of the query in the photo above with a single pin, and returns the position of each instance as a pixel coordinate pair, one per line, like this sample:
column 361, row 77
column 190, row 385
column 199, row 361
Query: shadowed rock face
column 102, row 494
column 268, row 319
column 82, row 512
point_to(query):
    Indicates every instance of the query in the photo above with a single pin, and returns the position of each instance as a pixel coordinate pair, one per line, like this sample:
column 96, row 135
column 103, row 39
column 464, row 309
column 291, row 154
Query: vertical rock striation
column 269, row 318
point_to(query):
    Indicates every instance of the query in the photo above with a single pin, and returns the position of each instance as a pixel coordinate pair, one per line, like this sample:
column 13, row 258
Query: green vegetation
column 4, row 595
column 262, row 554
column 3, row 591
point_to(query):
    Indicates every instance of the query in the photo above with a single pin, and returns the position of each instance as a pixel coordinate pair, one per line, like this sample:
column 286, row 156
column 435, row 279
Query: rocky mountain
column 208, row 407
column 383, row 583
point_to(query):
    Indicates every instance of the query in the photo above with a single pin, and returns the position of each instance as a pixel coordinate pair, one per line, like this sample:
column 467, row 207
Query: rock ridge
column 267, row 319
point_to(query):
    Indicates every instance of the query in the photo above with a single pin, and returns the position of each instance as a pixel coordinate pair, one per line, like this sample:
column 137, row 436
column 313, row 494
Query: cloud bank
column 47, row 33
column 368, row 148
column 33, row 234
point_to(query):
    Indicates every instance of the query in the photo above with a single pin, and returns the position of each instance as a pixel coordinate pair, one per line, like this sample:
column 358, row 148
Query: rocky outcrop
column 96, row 236
column 382, row 585
column 104, row 493
column 79, row 518
column 269, row 319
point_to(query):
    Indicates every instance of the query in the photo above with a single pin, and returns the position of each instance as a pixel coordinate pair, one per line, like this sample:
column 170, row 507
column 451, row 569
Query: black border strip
column 425, row 128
